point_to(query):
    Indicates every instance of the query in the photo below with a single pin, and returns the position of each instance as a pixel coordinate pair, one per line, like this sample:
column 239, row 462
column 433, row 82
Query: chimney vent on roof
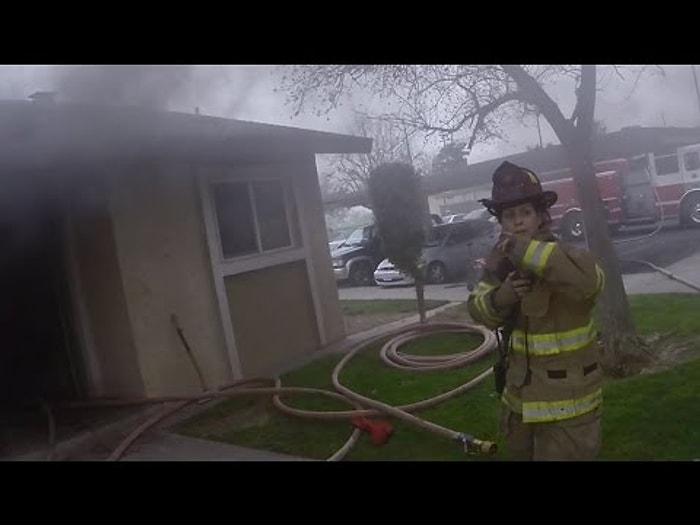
column 43, row 96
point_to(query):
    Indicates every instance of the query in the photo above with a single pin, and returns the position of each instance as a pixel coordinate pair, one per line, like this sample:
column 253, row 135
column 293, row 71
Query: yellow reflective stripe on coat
column 599, row 281
column 542, row 411
column 511, row 401
column 482, row 304
column 536, row 256
column 545, row 411
column 555, row 342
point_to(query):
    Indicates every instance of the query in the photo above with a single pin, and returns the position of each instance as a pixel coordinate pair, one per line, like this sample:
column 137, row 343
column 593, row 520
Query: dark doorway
column 38, row 363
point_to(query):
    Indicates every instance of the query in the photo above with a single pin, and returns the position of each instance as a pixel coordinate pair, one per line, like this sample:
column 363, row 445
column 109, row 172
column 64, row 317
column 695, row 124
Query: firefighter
column 540, row 294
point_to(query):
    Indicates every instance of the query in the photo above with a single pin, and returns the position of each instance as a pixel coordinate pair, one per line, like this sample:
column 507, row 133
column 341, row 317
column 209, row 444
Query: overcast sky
column 248, row 93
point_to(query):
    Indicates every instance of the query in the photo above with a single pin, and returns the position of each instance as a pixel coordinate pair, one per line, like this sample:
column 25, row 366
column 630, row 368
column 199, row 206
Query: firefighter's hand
column 520, row 284
column 506, row 242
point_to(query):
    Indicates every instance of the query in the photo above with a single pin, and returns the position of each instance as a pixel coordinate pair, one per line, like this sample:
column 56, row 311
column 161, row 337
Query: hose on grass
column 362, row 406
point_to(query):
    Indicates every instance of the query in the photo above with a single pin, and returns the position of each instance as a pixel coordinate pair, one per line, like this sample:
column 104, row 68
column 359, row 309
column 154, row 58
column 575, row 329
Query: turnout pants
column 575, row 439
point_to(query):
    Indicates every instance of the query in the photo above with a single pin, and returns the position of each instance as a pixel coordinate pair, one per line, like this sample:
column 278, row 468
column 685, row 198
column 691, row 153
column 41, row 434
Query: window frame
column 260, row 258
column 664, row 158
column 695, row 155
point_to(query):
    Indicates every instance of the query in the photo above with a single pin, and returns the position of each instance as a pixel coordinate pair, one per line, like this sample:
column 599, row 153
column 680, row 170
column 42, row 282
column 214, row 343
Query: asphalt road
column 662, row 248
column 669, row 245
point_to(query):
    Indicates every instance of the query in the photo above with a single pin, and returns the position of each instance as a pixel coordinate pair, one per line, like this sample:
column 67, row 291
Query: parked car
column 451, row 251
column 356, row 258
column 480, row 213
column 337, row 237
column 455, row 217
column 334, row 245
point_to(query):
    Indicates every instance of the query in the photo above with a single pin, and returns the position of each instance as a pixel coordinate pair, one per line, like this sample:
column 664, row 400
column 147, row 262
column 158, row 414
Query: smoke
column 18, row 82
column 239, row 92
column 247, row 92
column 244, row 92
column 664, row 96
column 152, row 87
column 661, row 96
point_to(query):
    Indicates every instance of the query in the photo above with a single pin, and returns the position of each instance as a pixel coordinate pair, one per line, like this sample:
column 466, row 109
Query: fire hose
column 363, row 407
column 656, row 230
column 665, row 272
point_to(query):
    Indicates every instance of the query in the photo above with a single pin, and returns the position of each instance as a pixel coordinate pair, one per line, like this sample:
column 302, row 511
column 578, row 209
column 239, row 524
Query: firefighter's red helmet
column 513, row 185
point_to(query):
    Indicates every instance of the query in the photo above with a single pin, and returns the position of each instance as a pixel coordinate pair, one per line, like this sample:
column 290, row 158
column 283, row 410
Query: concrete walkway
column 164, row 446
column 638, row 283
column 687, row 269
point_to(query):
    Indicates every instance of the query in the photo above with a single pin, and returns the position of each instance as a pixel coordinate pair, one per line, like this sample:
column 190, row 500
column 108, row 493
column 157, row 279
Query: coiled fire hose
column 362, row 406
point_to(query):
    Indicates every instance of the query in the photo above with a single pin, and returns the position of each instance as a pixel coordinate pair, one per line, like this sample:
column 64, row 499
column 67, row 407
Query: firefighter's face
column 522, row 219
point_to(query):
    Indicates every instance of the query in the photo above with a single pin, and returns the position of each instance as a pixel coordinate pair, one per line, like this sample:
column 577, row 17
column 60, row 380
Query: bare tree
column 477, row 100
column 391, row 142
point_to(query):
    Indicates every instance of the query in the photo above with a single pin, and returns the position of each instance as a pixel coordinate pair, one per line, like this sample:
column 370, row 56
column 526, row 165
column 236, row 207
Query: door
column 690, row 166
column 39, row 358
column 638, row 199
column 667, row 178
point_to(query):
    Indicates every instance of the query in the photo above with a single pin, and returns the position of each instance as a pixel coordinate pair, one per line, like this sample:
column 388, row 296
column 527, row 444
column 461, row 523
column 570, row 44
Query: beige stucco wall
column 311, row 204
column 145, row 256
column 165, row 269
column 273, row 318
column 313, row 278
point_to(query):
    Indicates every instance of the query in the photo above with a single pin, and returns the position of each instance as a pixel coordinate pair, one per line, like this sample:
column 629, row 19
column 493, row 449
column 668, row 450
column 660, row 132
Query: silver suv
column 451, row 251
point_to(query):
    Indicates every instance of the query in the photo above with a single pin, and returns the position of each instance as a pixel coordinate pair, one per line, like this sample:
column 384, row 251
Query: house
column 120, row 226
column 457, row 189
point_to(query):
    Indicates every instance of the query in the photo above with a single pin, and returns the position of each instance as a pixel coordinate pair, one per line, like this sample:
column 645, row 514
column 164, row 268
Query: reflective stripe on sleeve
column 482, row 303
column 536, row 256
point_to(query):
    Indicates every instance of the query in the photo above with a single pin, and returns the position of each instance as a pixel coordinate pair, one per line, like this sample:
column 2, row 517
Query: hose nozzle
column 476, row 446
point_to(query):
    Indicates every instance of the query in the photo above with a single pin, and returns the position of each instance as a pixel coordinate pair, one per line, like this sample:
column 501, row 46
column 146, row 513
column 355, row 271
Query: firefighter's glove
column 522, row 284
column 511, row 290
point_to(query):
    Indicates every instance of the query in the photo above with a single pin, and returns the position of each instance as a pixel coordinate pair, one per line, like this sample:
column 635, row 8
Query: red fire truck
column 643, row 189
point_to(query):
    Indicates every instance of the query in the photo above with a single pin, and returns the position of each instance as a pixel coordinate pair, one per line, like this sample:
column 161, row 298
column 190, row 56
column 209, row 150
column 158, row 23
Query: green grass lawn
column 647, row 417
column 654, row 416
column 666, row 312
column 382, row 306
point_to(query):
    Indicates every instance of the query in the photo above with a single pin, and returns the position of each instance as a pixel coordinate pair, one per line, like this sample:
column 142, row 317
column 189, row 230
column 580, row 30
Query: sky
column 248, row 93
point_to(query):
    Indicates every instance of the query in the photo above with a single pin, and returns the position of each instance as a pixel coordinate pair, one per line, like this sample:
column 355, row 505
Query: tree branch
column 532, row 92
column 586, row 103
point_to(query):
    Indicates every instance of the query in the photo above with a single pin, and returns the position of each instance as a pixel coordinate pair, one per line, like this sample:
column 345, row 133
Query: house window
column 252, row 216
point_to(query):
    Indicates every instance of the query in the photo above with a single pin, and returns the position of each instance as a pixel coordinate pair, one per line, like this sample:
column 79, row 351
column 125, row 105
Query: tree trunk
column 623, row 351
column 420, row 284
column 420, row 296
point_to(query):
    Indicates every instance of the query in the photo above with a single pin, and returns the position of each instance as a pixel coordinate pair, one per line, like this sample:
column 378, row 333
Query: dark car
column 356, row 258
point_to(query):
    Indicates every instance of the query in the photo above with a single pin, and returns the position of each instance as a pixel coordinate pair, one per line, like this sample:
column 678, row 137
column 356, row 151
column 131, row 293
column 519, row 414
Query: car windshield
column 357, row 236
column 464, row 231
column 435, row 236
column 481, row 227
column 479, row 213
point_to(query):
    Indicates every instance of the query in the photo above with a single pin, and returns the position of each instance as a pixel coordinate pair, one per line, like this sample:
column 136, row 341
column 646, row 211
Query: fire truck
column 643, row 189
